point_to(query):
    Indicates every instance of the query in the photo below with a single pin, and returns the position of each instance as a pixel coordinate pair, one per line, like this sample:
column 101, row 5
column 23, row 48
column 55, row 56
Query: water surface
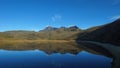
column 51, row 56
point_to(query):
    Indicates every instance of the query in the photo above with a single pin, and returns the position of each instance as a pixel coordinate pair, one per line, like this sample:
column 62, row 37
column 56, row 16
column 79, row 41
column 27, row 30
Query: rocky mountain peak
column 49, row 28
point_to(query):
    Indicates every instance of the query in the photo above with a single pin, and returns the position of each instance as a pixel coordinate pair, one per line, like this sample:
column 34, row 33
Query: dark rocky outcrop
column 49, row 28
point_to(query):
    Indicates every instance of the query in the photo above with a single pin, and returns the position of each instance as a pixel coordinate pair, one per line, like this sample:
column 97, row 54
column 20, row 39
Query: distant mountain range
column 71, row 28
column 62, row 33
column 108, row 33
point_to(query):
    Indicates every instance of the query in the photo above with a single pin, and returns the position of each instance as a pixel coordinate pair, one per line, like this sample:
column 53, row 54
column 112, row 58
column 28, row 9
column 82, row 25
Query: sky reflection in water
column 39, row 59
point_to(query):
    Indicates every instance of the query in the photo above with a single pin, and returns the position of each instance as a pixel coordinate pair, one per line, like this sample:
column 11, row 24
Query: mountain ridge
column 108, row 33
column 49, row 32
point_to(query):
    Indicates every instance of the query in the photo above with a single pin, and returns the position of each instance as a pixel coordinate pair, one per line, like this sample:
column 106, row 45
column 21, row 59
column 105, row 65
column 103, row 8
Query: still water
column 57, row 57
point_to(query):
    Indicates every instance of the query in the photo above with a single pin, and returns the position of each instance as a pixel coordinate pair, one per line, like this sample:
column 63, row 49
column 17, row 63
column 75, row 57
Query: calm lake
column 51, row 56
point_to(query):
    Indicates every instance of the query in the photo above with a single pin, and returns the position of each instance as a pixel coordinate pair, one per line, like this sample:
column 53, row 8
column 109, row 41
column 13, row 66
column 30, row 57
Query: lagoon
column 52, row 56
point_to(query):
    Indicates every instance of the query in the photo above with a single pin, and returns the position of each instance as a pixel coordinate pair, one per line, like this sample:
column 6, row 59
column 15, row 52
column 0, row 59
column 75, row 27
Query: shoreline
column 35, row 41
column 112, row 50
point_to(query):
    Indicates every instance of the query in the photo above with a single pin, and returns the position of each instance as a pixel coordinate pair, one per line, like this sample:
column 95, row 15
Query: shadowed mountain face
column 109, row 33
column 49, row 28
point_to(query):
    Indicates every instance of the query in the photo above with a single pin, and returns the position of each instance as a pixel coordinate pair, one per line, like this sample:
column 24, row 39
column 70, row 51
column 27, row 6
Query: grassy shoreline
column 36, row 41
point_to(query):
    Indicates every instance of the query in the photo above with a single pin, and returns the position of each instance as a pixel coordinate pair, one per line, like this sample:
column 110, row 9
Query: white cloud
column 56, row 17
column 115, row 17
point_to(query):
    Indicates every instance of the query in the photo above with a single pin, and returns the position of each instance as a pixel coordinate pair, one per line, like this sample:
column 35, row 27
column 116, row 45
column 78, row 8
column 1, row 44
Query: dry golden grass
column 35, row 41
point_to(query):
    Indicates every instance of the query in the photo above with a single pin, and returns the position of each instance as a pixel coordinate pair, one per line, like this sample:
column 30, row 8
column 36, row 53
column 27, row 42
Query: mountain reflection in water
column 63, row 55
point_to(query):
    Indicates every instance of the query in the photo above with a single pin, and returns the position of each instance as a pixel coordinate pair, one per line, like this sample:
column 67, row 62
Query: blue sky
column 37, row 14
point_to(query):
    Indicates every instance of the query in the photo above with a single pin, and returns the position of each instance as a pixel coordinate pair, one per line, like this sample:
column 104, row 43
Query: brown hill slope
column 109, row 33
column 50, row 33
